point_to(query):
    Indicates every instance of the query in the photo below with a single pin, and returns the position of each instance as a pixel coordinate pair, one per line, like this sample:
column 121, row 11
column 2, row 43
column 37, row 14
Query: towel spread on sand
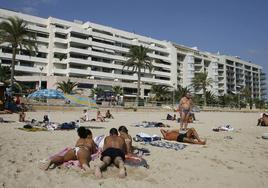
column 224, row 128
column 144, row 137
column 73, row 163
column 150, row 124
column 135, row 161
column 168, row 145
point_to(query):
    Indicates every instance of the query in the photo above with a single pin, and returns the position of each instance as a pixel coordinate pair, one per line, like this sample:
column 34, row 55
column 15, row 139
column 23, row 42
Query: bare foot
column 86, row 167
column 203, row 142
column 46, row 165
column 122, row 173
column 98, row 172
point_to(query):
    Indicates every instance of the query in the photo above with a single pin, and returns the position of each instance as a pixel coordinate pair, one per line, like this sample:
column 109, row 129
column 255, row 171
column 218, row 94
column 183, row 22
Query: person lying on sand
column 114, row 150
column 128, row 139
column 82, row 151
column 190, row 136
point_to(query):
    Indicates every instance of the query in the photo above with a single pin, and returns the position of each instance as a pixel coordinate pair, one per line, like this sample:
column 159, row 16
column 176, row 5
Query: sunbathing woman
column 128, row 139
column 82, row 151
column 190, row 136
column 100, row 117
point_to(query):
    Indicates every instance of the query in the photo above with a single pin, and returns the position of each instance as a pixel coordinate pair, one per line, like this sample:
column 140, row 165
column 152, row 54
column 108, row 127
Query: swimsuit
column 113, row 153
column 181, row 137
column 77, row 148
column 186, row 111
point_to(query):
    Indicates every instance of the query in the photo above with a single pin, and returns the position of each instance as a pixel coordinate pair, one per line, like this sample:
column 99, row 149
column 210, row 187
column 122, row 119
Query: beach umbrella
column 46, row 94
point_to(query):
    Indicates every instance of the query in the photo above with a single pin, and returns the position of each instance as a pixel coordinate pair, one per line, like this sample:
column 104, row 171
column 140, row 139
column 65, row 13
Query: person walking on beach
column 185, row 107
column 114, row 151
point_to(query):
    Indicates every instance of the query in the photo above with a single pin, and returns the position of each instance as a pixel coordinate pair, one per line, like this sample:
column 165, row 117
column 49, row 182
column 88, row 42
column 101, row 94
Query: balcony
column 109, row 56
column 42, row 39
column 24, row 58
column 59, row 71
column 28, row 69
column 60, row 40
column 80, row 51
column 61, row 30
column 81, row 41
column 78, row 30
column 58, row 61
column 37, row 28
column 78, row 71
column 112, row 47
column 78, row 61
column 59, row 50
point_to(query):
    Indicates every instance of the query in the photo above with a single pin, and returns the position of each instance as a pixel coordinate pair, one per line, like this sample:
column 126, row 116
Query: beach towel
column 150, row 124
column 224, row 128
column 73, row 163
column 168, row 145
column 144, row 137
column 68, row 126
column 32, row 129
column 135, row 161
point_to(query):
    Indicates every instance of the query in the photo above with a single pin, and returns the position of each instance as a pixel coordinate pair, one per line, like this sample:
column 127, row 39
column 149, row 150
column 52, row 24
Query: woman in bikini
column 128, row 139
column 82, row 151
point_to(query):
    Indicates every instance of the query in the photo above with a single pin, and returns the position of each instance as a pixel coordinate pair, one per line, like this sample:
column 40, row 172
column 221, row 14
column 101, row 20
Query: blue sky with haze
column 232, row 27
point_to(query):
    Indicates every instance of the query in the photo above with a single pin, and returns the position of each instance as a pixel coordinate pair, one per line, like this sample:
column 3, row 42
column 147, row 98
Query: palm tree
column 181, row 92
column 161, row 92
column 66, row 87
column 4, row 73
column 14, row 32
column 138, row 60
column 96, row 91
column 211, row 98
column 117, row 90
column 246, row 93
column 201, row 81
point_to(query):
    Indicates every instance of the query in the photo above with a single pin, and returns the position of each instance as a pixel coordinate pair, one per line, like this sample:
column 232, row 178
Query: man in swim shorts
column 190, row 136
column 114, row 151
column 185, row 107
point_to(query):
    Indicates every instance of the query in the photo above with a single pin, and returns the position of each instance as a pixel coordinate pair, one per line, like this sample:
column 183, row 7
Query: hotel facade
column 93, row 55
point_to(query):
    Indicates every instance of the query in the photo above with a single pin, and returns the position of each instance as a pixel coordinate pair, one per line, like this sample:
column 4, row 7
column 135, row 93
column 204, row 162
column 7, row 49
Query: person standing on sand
column 185, row 107
column 114, row 151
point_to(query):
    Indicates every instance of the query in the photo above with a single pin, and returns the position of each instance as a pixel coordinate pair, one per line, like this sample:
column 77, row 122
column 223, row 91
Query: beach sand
column 230, row 159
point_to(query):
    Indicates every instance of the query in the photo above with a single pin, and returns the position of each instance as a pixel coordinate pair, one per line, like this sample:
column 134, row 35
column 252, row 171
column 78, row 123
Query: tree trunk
column 205, row 97
column 138, row 87
column 12, row 69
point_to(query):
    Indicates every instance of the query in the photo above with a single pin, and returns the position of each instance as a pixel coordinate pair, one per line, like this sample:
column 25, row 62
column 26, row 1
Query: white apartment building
column 93, row 55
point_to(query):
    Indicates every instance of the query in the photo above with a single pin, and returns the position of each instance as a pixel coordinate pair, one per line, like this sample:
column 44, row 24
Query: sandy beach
column 230, row 159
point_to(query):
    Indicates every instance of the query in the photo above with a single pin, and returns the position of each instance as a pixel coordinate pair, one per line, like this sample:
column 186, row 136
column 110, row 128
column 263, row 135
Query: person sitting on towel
column 128, row 139
column 85, row 116
column 100, row 117
column 109, row 115
column 114, row 151
column 190, row 136
column 82, row 151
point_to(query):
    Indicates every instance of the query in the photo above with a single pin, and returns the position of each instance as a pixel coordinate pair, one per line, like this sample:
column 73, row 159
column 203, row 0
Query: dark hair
column 123, row 129
column 113, row 131
column 83, row 132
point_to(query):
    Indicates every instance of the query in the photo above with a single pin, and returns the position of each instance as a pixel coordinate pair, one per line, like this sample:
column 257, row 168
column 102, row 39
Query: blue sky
column 232, row 27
